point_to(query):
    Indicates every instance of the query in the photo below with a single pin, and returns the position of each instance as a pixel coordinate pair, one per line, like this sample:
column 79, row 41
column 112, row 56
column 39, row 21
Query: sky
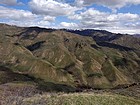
column 118, row 16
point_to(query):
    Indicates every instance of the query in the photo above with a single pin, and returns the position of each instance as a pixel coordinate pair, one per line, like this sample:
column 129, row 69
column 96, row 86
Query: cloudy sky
column 120, row 16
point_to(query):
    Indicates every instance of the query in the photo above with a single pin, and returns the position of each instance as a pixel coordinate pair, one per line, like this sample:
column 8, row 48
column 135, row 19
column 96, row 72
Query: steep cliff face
column 61, row 57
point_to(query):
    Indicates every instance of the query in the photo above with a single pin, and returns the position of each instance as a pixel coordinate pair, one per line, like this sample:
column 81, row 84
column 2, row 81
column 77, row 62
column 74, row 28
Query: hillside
column 74, row 99
column 61, row 60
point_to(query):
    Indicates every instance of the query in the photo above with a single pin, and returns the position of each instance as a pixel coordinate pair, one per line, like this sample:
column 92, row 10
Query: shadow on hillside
column 32, row 32
column 107, row 37
column 95, row 46
column 97, row 35
column 35, row 46
column 54, row 87
column 7, row 75
column 51, row 86
column 115, row 46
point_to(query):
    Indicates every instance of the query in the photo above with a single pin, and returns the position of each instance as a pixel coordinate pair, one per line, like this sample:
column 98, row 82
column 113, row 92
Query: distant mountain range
column 68, row 60
column 137, row 35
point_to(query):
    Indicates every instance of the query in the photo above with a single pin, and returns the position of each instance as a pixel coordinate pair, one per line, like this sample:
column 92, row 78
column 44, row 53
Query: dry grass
column 72, row 99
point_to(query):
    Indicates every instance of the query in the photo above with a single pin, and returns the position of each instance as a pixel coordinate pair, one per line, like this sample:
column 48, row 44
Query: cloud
column 113, row 4
column 10, row 2
column 23, row 18
column 51, row 8
column 68, row 25
column 44, row 13
column 92, row 18
column 8, row 13
column 30, row 23
column 49, row 18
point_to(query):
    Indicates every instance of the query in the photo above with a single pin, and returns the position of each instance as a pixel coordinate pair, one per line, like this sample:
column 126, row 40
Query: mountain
column 137, row 35
column 68, row 60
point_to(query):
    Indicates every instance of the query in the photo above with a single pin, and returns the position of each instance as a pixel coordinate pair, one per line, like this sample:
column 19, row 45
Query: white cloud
column 23, row 18
column 49, row 18
column 8, row 13
column 68, row 25
column 113, row 4
column 75, row 17
column 30, row 23
column 51, row 8
column 44, row 13
column 92, row 18
column 123, row 17
column 10, row 2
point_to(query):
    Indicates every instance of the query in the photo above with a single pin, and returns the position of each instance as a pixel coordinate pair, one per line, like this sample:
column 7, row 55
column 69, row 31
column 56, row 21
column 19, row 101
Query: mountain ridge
column 99, row 59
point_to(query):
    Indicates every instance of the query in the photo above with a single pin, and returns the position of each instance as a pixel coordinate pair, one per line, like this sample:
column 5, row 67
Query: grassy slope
column 80, row 99
column 65, row 58
column 23, row 93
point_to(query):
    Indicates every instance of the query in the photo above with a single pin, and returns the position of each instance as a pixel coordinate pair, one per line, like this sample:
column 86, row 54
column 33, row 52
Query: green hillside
column 67, row 60
column 80, row 99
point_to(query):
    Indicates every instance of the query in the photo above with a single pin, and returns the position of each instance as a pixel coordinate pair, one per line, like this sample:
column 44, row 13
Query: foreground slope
column 73, row 99
column 61, row 60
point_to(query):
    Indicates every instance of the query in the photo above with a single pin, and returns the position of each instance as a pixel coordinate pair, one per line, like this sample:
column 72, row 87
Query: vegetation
column 67, row 60
column 73, row 99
